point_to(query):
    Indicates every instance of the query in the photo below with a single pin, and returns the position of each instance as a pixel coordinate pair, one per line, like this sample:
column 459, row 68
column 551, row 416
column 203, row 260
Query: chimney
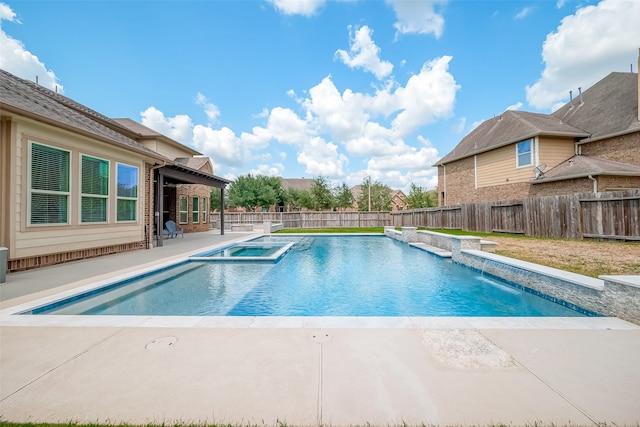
column 638, row 85
column 570, row 95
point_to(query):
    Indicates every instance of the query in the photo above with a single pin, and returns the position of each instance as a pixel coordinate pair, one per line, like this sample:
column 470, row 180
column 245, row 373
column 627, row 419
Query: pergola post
column 222, row 211
column 158, row 215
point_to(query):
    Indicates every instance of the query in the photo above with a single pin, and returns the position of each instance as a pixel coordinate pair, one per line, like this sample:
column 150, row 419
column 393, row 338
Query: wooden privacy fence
column 307, row 219
column 610, row 215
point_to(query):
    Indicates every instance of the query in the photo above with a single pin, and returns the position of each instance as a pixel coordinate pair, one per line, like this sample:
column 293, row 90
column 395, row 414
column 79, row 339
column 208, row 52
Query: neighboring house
column 299, row 184
column 397, row 198
column 592, row 144
column 76, row 184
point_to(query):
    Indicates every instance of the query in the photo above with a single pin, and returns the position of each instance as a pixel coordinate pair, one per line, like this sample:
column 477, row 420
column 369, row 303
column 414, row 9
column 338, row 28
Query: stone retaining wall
column 617, row 296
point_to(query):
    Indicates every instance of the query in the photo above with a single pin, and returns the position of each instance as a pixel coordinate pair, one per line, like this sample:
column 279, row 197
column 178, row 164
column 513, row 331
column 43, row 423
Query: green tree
column 214, row 199
column 251, row 192
column 298, row 199
column 321, row 195
column 380, row 196
column 418, row 198
column 343, row 196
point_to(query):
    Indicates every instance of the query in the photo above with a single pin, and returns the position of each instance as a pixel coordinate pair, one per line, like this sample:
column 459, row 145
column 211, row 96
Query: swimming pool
column 319, row 276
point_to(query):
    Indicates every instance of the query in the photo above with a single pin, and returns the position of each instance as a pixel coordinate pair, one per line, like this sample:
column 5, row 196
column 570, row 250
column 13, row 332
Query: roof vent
column 580, row 90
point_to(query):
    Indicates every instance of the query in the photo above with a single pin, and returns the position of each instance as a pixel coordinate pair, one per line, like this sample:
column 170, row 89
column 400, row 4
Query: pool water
column 321, row 276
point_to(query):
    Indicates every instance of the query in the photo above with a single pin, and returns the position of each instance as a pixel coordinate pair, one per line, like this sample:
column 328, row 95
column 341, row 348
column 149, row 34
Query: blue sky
column 305, row 88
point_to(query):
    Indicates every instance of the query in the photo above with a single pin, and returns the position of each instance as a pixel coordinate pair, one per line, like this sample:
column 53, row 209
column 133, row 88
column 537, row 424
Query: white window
column 94, row 186
column 195, row 213
column 183, row 217
column 127, row 202
column 205, row 201
column 49, row 186
column 524, row 154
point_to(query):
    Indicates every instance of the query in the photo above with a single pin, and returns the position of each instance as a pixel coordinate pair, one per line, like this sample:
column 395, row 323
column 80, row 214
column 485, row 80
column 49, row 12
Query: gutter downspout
column 595, row 183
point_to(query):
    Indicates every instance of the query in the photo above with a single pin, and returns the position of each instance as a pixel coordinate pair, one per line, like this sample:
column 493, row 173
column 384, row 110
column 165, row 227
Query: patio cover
column 176, row 174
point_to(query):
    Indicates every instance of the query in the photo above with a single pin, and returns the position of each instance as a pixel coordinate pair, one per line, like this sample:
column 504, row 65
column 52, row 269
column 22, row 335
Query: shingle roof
column 25, row 97
column 192, row 162
column 582, row 166
column 607, row 108
column 508, row 128
column 296, row 183
column 146, row 132
column 138, row 128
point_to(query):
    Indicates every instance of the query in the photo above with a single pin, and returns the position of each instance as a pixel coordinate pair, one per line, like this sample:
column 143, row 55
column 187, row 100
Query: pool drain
column 161, row 343
column 320, row 337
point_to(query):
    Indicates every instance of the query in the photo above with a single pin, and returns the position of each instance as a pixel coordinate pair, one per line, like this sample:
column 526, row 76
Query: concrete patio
column 305, row 371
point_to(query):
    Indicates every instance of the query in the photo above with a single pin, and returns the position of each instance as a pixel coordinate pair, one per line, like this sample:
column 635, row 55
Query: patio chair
column 173, row 230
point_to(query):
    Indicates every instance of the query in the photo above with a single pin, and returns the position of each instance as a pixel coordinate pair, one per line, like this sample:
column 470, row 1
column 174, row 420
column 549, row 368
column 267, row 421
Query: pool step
column 442, row 253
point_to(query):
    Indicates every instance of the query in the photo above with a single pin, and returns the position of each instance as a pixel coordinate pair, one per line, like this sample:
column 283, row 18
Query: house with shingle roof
column 75, row 183
column 591, row 144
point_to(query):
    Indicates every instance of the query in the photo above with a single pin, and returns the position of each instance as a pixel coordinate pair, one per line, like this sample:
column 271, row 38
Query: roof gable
column 202, row 164
column 146, row 133
column 508, row 128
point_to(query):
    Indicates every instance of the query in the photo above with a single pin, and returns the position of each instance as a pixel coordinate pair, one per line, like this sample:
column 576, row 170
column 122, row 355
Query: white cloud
column 411, row 158
column 275, row 169
column 427, row 97
column 179, row 127
column 220, row 144
column 418, row 16
column 518, row 105
column 298, row 7
column 210, row 109
column 524, row 12
column 322, row 158
column 7, row 14
column 16, row 59
column 285, row 126
column 364, row 53
column 586, row 46
column 349, row 117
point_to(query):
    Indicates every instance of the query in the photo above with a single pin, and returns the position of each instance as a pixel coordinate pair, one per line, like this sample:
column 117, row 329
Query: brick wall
column 191, row 191
column 460, row 183
column 625, row 148
column 569, row 186
column 460, row 186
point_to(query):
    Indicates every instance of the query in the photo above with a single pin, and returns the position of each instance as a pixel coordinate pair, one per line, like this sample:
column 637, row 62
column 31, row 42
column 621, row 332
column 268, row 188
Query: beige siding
column 498, row 167
column 74, row 238
column 33, row 240
column 554, row 151
column 170, row 151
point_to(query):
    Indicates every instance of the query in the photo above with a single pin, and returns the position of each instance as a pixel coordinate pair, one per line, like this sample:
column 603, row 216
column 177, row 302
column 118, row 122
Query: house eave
column 582, row 175
column 510, row 142
column 43, row 119
column 612, row 135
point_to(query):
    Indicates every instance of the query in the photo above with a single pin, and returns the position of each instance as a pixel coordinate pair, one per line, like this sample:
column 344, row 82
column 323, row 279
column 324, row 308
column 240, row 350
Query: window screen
column 49, row 199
